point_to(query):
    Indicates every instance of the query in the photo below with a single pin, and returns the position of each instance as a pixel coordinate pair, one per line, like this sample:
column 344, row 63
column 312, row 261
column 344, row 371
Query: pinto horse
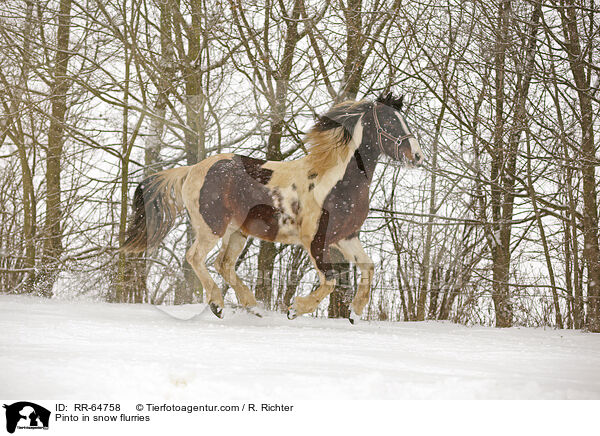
column 318, row 201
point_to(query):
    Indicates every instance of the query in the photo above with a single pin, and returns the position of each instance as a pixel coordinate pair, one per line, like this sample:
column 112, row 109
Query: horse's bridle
column 380, row 132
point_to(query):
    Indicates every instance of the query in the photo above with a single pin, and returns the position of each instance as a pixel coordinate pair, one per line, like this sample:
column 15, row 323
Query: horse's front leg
column 310, row 303
column 354, row 252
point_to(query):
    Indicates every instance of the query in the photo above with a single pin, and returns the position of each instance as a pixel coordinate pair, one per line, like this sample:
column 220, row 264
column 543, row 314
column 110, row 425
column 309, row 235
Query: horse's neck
column 366, row 158
column 361, row 166
column 355, row 171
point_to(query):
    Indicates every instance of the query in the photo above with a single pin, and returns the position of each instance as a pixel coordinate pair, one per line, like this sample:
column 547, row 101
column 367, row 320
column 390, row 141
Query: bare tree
column 273, row 75
column 53, row 230
column 581, row 69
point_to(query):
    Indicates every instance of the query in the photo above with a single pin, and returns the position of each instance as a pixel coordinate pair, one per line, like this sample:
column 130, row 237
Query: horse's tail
column 156, row 203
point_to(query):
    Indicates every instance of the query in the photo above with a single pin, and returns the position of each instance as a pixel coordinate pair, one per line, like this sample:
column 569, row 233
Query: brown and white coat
column 318, row 201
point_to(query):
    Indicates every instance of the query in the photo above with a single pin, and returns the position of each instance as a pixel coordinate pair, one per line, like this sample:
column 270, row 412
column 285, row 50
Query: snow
column 74, row 350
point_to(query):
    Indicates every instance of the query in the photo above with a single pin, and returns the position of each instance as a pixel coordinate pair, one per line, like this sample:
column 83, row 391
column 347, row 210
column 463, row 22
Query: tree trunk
column 194, row 139
column 339, row 300
column 154, row 143
column 591, row 249
column 355, row 61
column 570, row 238
column 52, row 249
column 501, row 204
column 130, row 286
column 18, row 137
column 267, row 251
column 434, row 292
column 425, row 271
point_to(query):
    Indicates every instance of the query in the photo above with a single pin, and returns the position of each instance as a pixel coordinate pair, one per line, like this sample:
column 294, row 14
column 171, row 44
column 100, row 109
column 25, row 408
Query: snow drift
column 72, row 350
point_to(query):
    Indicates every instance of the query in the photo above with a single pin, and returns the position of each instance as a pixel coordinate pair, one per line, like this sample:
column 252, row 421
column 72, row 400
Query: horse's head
column 391, row 133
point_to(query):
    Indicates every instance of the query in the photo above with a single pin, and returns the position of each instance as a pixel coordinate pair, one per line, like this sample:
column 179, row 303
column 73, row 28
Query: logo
column 26, row 415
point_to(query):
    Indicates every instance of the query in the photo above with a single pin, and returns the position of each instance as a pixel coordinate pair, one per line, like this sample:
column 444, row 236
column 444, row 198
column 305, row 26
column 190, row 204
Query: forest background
column 500, row 227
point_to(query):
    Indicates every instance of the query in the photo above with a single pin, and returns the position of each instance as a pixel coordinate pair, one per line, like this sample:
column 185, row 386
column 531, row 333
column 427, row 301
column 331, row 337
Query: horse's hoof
column 218, row 311
column 291, row 313
column 353, row 318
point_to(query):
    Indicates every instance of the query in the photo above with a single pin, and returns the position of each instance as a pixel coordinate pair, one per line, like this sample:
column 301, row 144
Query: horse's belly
column 260, row 221
column 266, row 222
column 270, row 214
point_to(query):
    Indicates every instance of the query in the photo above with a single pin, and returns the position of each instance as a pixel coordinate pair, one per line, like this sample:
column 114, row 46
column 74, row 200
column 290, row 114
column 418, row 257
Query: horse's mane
column 328, row 139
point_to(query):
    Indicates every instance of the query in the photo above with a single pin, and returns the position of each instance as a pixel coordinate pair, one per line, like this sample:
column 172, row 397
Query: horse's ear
column 398, row 103
column 385, row 98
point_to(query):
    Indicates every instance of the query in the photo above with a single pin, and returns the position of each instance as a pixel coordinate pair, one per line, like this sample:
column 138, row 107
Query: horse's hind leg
column 354, row 252
column 196, row 256
column 233, row 244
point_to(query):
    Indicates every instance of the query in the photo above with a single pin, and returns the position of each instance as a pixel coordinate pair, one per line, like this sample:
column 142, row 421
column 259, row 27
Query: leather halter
column 380, row 132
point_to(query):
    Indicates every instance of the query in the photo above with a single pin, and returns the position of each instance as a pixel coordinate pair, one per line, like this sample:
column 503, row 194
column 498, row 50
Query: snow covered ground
column 72, row 350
